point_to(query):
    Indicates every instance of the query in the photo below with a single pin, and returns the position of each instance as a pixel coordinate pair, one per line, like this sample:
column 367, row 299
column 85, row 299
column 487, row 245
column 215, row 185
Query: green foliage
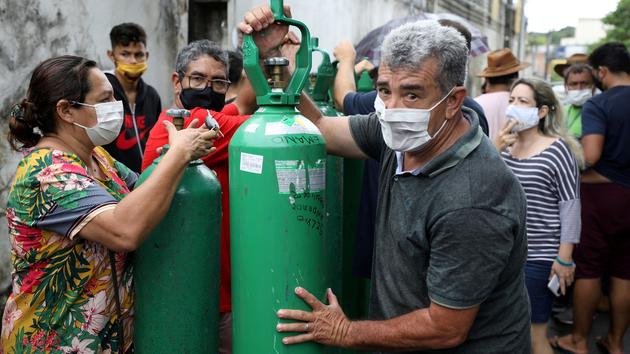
column 620, row 22
column 540, row 39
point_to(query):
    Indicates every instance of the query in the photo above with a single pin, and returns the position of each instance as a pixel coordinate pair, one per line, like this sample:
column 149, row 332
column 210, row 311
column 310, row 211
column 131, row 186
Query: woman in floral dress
column 72, row 216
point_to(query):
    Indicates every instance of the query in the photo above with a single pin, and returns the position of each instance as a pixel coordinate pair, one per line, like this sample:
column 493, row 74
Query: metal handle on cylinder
column 293, row 89
column 179, row 116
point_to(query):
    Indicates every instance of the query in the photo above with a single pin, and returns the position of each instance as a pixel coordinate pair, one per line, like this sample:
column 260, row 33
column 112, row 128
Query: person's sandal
column 602, row 345
column 555, row 344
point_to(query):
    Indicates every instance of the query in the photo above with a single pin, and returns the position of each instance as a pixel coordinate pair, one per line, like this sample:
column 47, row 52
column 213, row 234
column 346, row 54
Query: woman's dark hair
column 55, row 79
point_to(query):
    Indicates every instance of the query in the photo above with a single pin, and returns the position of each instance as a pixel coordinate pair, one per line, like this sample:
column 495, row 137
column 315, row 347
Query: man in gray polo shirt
column 450, row 241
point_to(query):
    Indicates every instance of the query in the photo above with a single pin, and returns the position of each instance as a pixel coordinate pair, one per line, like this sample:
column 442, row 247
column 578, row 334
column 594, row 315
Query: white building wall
column 588, row 31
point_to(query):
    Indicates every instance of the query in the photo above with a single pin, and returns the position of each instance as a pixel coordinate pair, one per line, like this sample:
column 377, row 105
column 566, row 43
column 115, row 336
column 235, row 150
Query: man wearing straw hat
column 503, row 68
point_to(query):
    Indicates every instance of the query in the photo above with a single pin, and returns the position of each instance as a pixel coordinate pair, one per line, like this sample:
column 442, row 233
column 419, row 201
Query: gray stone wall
column 34, row 30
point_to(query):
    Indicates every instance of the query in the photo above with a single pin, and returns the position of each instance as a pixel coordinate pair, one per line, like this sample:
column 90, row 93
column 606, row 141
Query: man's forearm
column 415, row 330
column 309, row 109
column 246, row 99
column 344, row 82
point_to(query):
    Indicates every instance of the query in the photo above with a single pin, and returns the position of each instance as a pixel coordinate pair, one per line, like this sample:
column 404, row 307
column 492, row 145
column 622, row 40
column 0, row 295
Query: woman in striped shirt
column 546, row 159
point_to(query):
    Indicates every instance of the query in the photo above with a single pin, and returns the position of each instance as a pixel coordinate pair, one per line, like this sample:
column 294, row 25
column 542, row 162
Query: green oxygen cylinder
column 319, row 90
column 364, row 81
column 176, row 270
column 277, row 165
column 356, row 290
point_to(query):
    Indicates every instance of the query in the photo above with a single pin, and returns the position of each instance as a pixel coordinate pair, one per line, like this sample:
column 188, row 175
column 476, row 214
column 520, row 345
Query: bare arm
column 593, row 145
column 437, row 327
column 246, row 99
column 125, row 227
column 336, row 130
column 344, row 80
column 434, row 327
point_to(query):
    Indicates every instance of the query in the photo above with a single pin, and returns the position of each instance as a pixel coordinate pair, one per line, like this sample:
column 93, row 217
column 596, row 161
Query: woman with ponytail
column 546, row 159
column 72, row 216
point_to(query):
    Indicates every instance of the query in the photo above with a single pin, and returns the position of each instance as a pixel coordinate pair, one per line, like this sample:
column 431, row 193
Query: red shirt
column 229, row 120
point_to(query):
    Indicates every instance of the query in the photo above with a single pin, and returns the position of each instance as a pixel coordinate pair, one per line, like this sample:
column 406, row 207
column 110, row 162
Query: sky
column 547, row 15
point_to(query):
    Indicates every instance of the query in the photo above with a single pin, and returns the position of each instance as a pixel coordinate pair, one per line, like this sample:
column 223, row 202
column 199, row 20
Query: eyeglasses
column 201, row 83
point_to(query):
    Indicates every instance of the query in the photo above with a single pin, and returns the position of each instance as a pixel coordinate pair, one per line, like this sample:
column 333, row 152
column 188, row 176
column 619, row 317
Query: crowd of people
column 478, row 212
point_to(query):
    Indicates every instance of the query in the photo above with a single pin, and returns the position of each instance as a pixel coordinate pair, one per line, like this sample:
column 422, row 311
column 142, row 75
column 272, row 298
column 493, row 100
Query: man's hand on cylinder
column 269, row 36
column 326, row 324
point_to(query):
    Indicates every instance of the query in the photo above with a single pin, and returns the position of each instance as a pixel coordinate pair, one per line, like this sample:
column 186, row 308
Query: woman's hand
column 506, row 137
column 192, row 142
column 565, row 274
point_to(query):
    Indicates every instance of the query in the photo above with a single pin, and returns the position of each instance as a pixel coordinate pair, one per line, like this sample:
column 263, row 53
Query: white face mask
column 526, row 117
column 109, row 119
column 406, row 129
column 578, row 97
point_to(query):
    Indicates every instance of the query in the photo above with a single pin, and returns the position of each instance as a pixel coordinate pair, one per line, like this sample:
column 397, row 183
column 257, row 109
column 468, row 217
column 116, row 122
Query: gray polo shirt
column 452, row 232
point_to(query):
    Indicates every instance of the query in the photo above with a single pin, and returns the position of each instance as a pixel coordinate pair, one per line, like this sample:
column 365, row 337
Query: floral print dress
column 63, row 295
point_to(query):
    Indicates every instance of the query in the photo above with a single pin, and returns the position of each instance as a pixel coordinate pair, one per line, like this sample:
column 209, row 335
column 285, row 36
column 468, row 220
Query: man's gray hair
column 409, row 45
column 194, row 50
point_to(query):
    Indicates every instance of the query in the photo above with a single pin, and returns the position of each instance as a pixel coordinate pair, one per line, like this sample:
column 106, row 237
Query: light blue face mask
column 526, row 117
column 109, row 119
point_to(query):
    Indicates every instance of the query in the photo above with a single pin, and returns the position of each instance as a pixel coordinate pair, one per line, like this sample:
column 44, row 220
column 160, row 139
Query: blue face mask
column 526, row 117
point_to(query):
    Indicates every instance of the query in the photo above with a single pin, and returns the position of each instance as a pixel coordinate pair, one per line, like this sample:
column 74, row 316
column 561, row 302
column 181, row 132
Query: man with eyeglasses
column 200, row 82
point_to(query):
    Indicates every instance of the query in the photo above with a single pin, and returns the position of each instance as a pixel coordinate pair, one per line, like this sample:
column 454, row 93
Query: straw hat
column 502, row 62
column 573, row 59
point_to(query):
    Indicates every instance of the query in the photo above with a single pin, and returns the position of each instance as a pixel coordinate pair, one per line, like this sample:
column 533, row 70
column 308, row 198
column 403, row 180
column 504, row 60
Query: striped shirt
column 550, row 180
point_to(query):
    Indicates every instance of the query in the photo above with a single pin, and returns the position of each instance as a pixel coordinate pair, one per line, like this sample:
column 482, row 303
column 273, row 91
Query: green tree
column 619, row 20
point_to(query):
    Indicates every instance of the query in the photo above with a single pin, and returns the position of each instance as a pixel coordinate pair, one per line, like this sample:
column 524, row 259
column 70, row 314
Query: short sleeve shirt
column 443, row 236
column 607, row 114
column 63, row 297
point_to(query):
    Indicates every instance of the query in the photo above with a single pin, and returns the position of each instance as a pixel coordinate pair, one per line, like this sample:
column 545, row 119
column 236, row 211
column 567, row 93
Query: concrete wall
column 34, row 30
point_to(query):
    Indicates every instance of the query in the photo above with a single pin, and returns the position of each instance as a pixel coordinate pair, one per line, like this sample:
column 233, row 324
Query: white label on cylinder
column 299, row 125
column 296, row 176
column 252, row 128
column 251, row 163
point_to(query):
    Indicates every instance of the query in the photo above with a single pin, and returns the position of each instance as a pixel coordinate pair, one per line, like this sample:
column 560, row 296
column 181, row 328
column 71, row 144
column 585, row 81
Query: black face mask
column 598, row 83
column 206, row 98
